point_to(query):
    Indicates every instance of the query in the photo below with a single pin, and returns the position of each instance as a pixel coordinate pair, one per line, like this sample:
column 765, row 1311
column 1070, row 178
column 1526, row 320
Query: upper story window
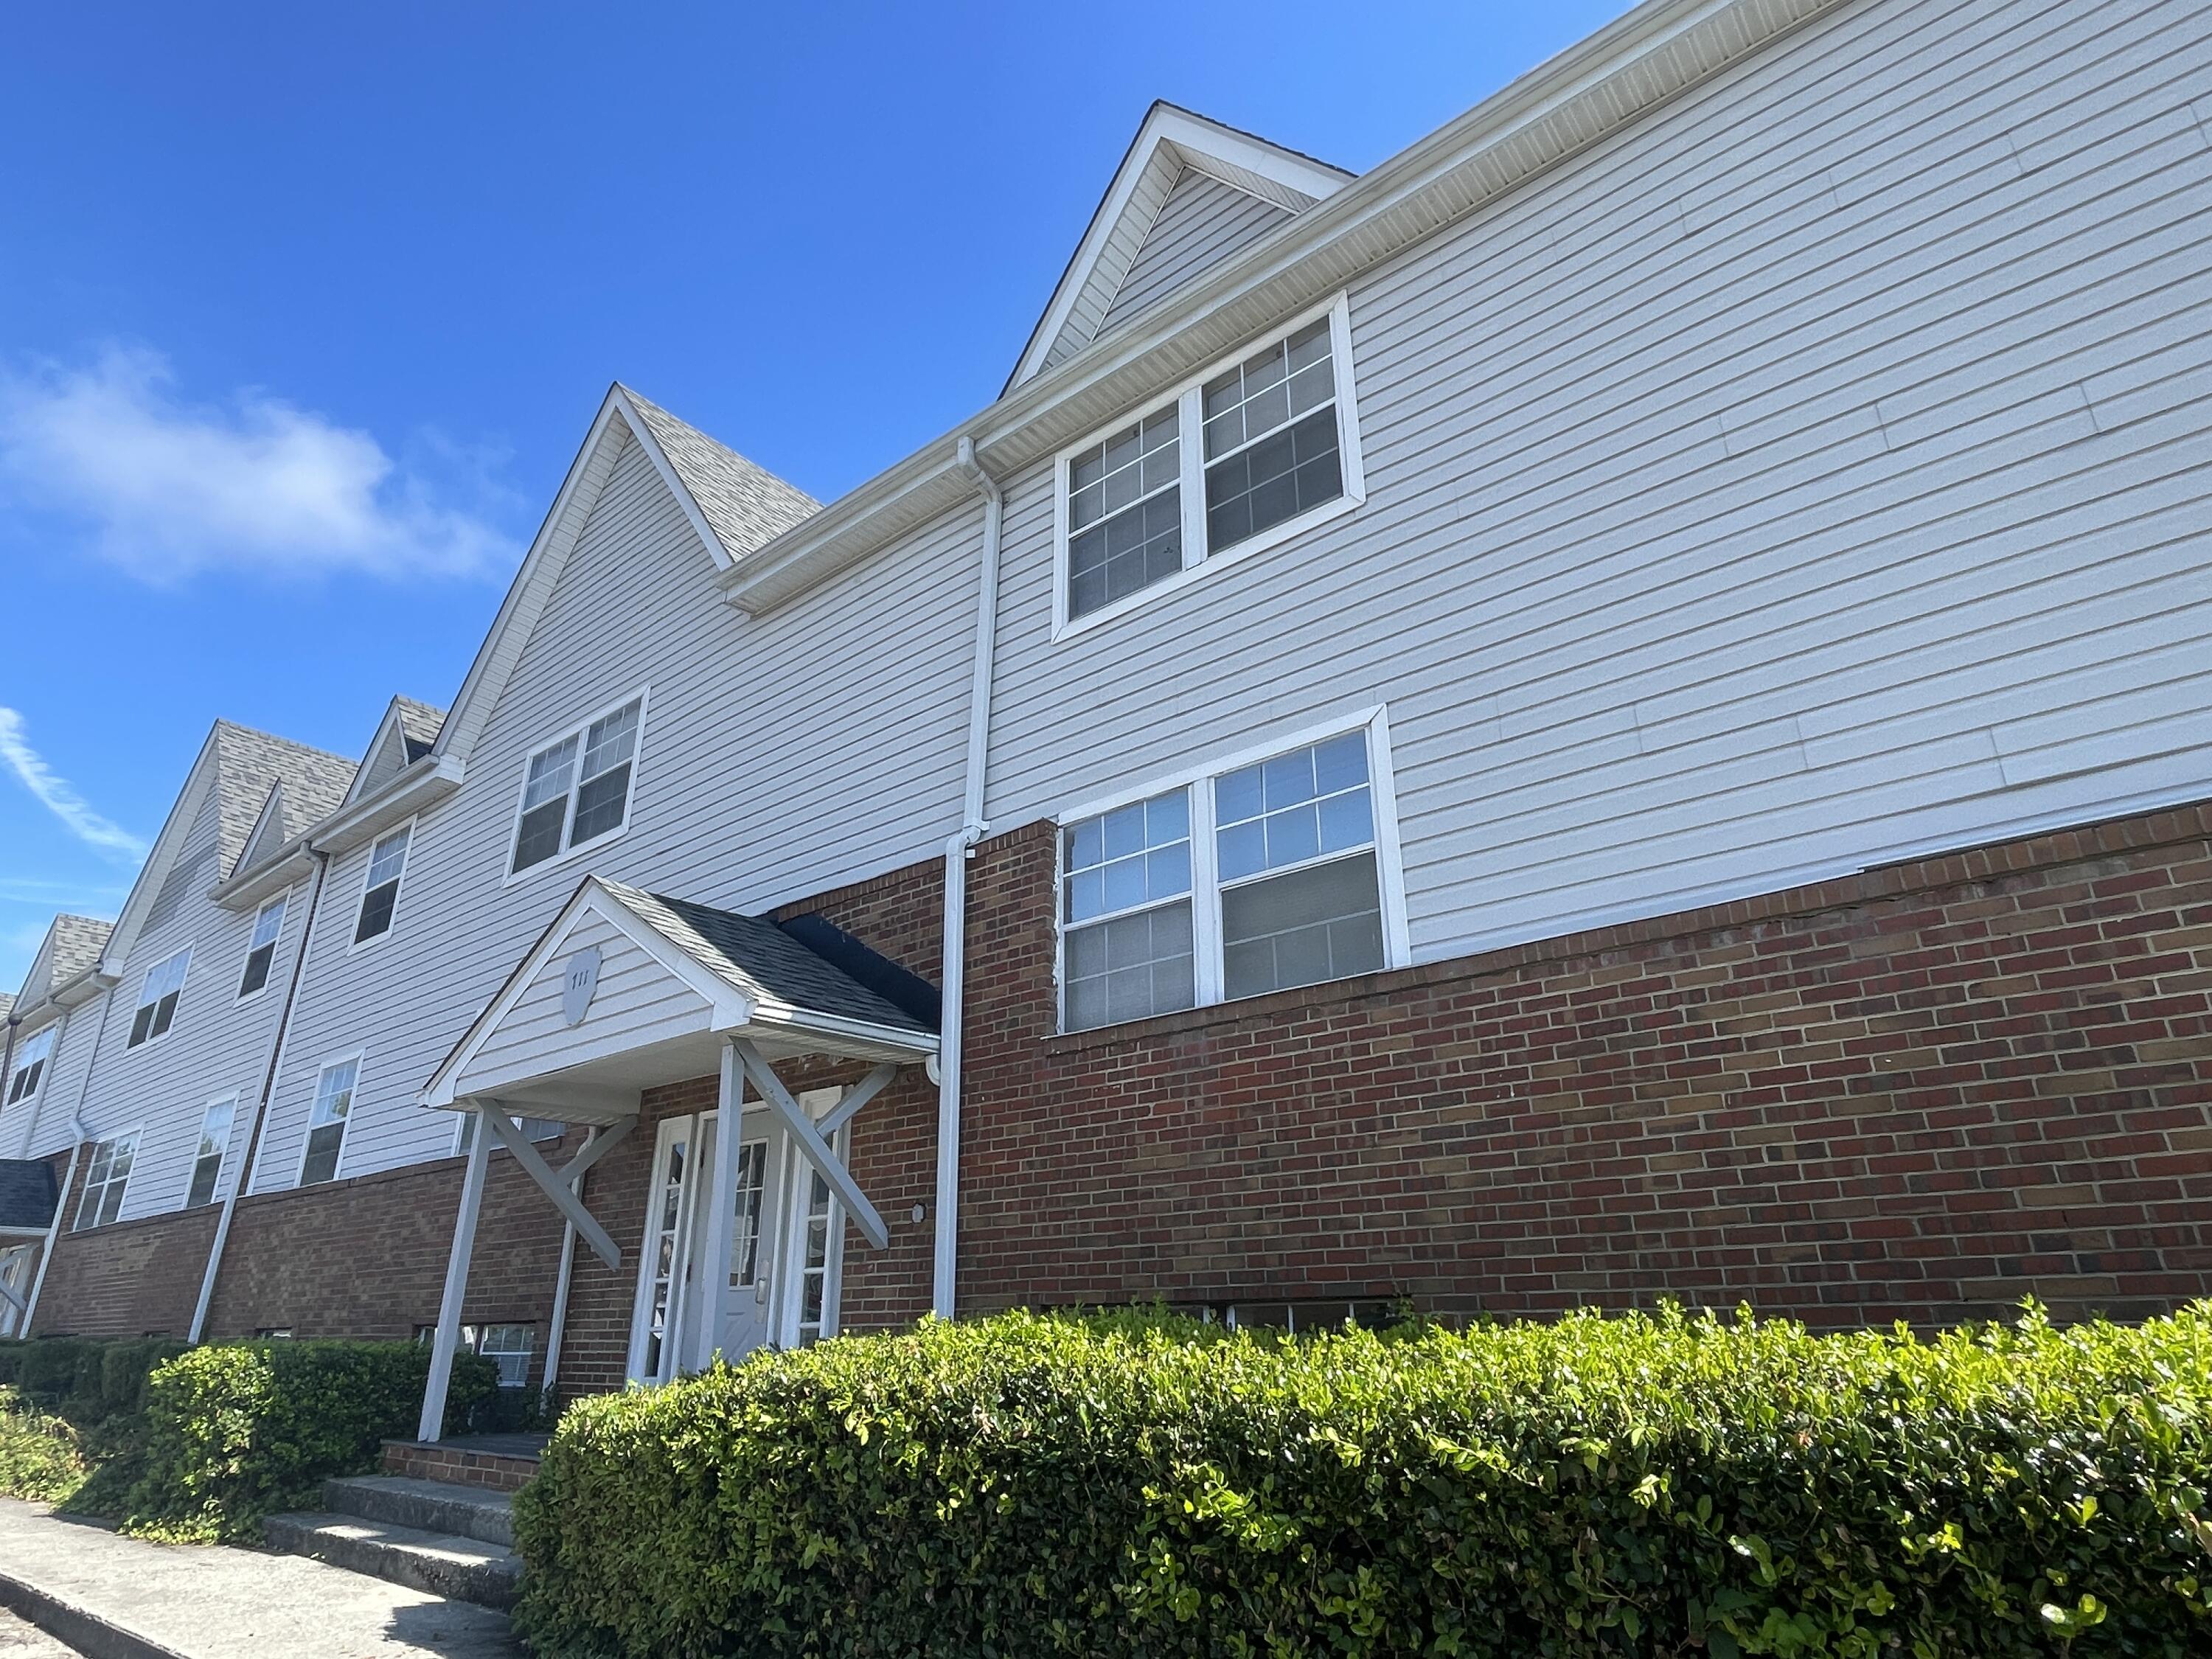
column 379, row 888
column 261, row 952
column 1240, row 459
column 1268, row 872
column 157, row 998
column 576, row 789
column 107, row 1174
column 326, row 1123
column 30, row 1068
column 215, row 1141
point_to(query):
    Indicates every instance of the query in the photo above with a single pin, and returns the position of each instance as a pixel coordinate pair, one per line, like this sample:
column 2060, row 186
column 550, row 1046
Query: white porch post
column 448, row 1337
column 722, row 1204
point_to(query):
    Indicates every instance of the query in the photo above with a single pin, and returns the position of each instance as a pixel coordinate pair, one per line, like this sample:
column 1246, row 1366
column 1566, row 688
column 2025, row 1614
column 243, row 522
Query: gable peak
column 1174, row 148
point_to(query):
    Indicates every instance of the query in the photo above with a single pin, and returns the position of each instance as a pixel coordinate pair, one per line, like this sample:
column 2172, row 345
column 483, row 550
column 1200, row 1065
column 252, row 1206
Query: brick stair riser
column 489, row 1470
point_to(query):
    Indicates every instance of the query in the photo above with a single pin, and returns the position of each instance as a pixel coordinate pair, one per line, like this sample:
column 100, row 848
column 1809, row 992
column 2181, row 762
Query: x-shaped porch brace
column 492, row 1117
column 812, row 1136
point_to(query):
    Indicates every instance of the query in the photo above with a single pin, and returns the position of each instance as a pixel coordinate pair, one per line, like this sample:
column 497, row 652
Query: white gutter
column 958, row 851
column 260, row 1106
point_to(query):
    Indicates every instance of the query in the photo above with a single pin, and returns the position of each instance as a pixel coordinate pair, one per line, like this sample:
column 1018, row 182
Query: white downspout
column 261, row 1105
column 958, row 851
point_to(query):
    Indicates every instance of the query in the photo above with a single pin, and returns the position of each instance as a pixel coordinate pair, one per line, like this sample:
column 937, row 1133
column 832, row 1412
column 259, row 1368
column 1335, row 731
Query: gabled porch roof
column 628, row 989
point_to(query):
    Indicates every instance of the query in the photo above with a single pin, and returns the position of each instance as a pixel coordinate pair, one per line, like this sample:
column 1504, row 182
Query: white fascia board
column 175, row 829
column 526, row 594
column 283, row 868
column 1642, row 60
column 423, row 784
column 860, row 1038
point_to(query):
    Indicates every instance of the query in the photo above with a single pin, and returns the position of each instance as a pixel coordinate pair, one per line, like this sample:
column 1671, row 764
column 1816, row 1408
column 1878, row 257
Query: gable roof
column 1171, row 146
column 733, row 505
column 758, row 959
column 407, row 731
column 70, row 949
column 240, row 766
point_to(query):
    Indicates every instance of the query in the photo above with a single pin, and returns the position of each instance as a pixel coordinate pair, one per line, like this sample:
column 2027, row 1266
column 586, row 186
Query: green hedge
column 1665, row 1486
column 200, row 1443
column 240, row 1430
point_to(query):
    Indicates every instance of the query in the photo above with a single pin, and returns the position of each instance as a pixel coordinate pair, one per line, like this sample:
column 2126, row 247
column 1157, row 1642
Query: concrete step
column 426, row 1505
column 443, row 1563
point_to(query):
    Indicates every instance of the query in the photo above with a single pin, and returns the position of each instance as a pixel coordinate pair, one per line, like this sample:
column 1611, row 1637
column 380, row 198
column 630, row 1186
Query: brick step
column 505, row 1463
column 444, row 1564
column 426, row 1505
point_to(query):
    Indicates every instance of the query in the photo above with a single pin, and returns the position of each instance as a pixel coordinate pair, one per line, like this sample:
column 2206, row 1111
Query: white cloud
column 170, row 488
column 55, row 795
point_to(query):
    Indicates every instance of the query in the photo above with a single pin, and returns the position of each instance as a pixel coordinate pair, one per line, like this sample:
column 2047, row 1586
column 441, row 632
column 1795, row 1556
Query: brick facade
column 1924, row 1092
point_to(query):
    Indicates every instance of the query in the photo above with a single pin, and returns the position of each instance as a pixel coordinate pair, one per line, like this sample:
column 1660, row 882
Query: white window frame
column 142, row 1005
column 642, row 696
column 1205, row 888
column 192, row 1170
column 18, row 1065
column 1189, row 398
column 133, row 1134
column 398, row 892
column 359, row 1059
column 282, row 902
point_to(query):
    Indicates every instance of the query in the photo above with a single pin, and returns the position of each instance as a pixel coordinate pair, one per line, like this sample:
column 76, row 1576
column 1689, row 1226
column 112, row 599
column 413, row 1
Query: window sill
column 1267, row 1006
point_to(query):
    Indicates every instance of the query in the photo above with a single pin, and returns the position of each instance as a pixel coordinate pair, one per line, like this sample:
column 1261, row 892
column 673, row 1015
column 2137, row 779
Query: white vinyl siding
column 1267, row 872
column 28, row 1070
column 1203, row 222
column 381, row 883
column 750, row 792
column 1249, row 454
column 576, row 790
column 326, row 1123
column 107, row 1180
column 157, row 999
column 214, row 1142
column 1801, row 480
column 261, row 948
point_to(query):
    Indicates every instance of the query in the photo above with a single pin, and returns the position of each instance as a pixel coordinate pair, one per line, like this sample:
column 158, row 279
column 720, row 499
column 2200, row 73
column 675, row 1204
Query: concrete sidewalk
column 111, row 1597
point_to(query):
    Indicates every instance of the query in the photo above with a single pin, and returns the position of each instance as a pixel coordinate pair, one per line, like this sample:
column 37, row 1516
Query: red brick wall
column 1921, row 1092
column 127, row 1278
column 366, row 1256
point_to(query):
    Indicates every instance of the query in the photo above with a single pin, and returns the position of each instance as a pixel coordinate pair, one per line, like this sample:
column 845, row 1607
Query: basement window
column 1274, row 870
column 157, row 999
column 1245, row 456
column 107, row 1176
column 326, row 1123
column 509, row 1347
column 379, row 887
column 215, row 1141
column 261, row 951
column 576, row 790
column 30, row 1070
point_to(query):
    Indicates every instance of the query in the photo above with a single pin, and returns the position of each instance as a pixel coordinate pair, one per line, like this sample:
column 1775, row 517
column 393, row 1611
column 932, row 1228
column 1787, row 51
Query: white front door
column 15, row 1275
column 787, row 1245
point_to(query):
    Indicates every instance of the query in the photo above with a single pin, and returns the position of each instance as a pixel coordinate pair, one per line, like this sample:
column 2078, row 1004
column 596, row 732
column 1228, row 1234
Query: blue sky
column 305, row 309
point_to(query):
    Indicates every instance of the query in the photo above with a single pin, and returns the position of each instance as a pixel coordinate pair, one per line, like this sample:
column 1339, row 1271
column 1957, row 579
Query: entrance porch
column 743, row 1233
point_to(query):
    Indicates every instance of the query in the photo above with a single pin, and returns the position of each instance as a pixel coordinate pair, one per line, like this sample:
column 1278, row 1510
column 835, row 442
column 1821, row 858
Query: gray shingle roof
column 315, row 784
column 745, row 503
column 27, row 1191
column 419, row 722
column 77, row 943
column 758, row 959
